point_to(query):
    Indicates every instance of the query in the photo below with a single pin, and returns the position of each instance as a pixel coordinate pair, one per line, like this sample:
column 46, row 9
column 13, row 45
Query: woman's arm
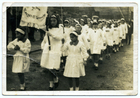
column 12, row 45
column 58, row 35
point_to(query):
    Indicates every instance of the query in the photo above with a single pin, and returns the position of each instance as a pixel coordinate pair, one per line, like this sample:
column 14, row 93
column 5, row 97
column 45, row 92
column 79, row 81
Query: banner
column 34, row 17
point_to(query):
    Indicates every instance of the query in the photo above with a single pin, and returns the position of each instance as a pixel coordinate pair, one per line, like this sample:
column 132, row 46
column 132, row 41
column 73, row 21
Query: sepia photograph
column 69, row 49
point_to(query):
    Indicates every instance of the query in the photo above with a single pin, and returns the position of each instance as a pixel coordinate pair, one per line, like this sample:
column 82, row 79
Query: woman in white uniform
column 51, row 54
column 124, row 30
column 109, row 39
column 95, row 43
column 116, row 37
column 81, row 36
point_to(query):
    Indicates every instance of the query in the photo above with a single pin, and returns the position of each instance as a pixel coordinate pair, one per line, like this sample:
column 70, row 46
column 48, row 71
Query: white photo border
column 73, row 4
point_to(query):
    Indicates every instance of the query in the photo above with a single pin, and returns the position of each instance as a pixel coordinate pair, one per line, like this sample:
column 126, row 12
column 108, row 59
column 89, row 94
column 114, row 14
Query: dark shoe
column 50, row 88
column 56, row 84
column 100, row 61
column 96, row 68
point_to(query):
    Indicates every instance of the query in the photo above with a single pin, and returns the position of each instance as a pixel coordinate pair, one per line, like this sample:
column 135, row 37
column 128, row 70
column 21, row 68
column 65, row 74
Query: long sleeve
column 64, row 47
column 102, row 36
column 88, row 35
column 85, row 41
column 126, row 28
column 27, row 47
column 58, row 35
column 84, row 51
column 11, row 45
column 120, row 29
column 44, row 42
column 112, row 31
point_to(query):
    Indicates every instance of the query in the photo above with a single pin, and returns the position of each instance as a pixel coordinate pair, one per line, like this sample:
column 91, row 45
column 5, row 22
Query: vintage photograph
column 69, row 48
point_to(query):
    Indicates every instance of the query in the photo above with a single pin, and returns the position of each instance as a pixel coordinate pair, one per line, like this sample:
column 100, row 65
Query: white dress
column 51, row 59
column 120, row 32
column 74, row 64
column 102, row 38
column 95, row 41
column 21, row 61
column 116, row 36
column 109, row 36
column 124, row 30
column 84, row 29
column 82, row 37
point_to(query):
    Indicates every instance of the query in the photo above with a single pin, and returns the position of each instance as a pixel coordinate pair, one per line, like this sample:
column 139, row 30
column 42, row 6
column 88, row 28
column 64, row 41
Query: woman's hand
column 85, row 63
column 17, row 47
column 48, row 33
column 63, row 41
column 104, row 44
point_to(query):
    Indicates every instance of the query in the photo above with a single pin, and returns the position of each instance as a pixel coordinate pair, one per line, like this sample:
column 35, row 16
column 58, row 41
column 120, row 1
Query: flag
column 34, row 17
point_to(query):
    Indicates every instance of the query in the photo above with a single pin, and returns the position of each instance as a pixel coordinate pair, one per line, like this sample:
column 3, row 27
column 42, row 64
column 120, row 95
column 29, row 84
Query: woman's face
column 78, row 28
column 82, row 22
column 95, row 26
column 108, row 25
column 53, row 22
column 66, row 24
column 19, row 35
column 73, row 23
column 100, row 26
column 122, row 22
column 73, row 38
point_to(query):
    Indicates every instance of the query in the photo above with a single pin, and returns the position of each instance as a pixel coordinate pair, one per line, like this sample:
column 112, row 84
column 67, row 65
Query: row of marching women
column 70, row 46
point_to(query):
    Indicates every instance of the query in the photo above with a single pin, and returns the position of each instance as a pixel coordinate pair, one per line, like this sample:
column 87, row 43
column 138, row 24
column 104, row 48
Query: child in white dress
column 109, row 39
column 95, row 37
column 67, row 31
column 102, row 39
column 124, row 29
column 116, row 37
column 75, row 61
column 22, row 46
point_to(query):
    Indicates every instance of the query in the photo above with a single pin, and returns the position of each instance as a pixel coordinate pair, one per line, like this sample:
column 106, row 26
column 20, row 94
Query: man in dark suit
column 130, row 31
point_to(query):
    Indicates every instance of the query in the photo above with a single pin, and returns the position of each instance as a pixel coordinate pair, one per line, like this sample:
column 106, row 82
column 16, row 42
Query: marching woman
column 73, row 23
column 95, row 43
column 108, row 32
column 120, row 32
column 51, row 54
column 84, row 26
column 81, row 36
column 103, row 43
column 21, row 46
column 116, row 37
column 124, row 30
column 77, row 57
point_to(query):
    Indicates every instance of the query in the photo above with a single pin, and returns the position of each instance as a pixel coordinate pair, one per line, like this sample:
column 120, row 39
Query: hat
column 82, row 20
column 118, row 21
column 94, row 17
column 122, row 19
column 53, row 16
column 20, row 30
column 74, row 33
column 108, row 22
column 95, row 22
column 66, row 21
column 76, row 21
column 84, row 16
column 78, row 25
